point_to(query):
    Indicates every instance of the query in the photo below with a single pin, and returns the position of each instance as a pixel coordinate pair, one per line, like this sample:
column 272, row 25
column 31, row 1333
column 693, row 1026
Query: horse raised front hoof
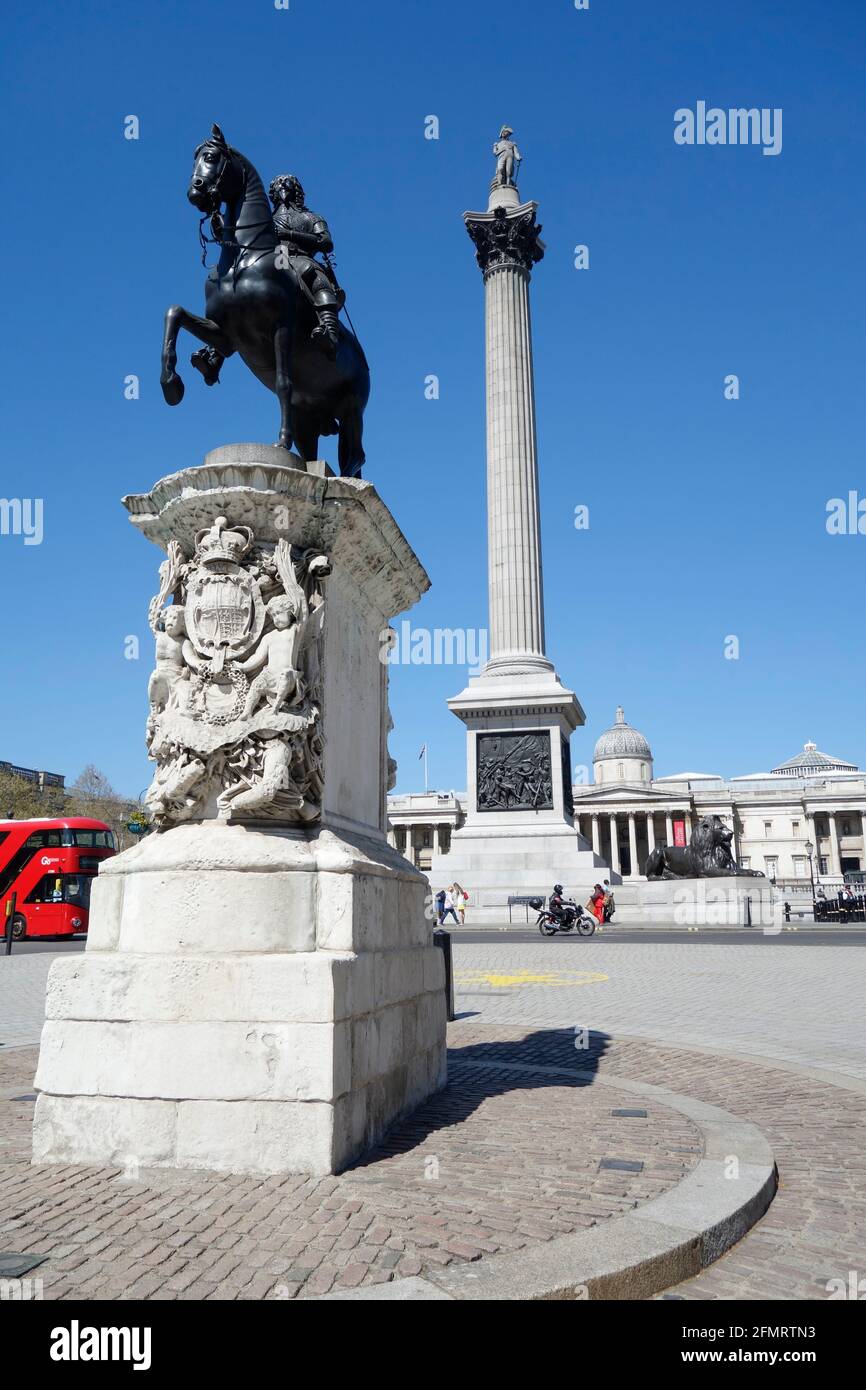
column 208, row 361
column 172, row 389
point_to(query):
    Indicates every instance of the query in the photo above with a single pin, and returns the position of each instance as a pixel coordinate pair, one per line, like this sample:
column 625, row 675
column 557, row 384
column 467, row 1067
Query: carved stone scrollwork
column 235, row 699
column 506, row 242
column 514, row 772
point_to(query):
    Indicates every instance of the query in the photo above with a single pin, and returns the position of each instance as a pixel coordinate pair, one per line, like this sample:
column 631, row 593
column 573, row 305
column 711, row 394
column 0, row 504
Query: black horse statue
column 257, row 308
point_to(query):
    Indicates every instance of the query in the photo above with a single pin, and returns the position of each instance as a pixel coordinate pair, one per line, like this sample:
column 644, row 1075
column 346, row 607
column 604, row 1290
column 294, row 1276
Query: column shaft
column 632, row 844
column 513, row 535
column 835, row 857
column 614, row 846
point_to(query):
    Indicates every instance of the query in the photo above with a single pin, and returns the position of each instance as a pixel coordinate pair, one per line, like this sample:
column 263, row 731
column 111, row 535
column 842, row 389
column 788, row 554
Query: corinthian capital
column 505, row 240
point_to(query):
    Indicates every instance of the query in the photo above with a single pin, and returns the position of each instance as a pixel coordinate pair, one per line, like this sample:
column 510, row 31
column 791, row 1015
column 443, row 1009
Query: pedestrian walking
column 448, row 908
column 461, row 898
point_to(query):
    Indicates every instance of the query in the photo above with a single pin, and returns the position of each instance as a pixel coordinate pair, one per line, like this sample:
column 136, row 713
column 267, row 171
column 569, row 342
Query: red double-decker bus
column 50, row 866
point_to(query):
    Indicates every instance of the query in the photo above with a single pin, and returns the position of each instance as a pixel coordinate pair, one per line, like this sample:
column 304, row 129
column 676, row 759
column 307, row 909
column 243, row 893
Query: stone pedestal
column 700, row 902
column 521, row 725
column 260, row 991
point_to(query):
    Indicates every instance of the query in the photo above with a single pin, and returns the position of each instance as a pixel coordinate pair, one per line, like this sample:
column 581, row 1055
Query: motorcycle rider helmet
column 557, row 888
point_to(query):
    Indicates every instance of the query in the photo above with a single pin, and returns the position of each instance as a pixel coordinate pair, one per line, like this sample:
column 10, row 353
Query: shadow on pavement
column 473, row 1077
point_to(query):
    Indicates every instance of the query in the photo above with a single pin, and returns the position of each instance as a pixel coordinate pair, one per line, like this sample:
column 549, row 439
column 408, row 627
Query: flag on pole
column 423, row 751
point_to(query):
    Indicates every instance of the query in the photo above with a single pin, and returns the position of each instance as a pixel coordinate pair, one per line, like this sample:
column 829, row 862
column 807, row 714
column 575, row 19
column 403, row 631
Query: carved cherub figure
column 276, row 653
column 162, row 688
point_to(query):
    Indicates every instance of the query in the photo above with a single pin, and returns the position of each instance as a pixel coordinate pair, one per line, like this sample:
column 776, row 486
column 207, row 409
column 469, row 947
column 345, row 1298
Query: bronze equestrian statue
column 272, row 302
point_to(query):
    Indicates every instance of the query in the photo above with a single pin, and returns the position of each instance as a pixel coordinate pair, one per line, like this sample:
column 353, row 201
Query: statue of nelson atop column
column 508, row 158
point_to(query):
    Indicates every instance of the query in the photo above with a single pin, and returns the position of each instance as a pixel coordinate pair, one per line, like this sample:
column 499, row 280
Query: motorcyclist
column 556, row 905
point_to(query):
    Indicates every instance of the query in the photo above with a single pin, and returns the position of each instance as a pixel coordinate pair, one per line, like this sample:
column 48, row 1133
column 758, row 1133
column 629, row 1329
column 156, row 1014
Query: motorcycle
column 574, row 918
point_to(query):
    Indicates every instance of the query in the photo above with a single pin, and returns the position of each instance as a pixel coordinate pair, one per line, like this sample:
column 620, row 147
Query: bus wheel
column 19, row 927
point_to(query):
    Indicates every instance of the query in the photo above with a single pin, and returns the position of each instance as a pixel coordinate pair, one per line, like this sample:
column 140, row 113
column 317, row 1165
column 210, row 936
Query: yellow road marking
column 528, row 977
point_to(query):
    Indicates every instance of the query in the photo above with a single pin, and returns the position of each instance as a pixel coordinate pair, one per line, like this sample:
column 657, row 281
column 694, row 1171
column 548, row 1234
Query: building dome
column 621, row 741
column 622, row 754
column 812, row 763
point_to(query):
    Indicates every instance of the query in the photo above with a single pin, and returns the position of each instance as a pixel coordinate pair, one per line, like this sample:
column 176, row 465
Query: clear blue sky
column 707, row 515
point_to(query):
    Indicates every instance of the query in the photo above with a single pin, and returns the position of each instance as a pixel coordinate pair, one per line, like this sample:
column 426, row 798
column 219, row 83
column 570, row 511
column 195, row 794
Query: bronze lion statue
column 708, row 855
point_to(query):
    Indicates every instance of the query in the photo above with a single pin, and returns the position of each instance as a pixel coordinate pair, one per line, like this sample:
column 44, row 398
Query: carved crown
column 221, row 542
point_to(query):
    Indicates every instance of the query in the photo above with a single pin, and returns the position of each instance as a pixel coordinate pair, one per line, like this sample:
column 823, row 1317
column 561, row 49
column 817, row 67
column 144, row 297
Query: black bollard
column 442, row 939
column 10, row 918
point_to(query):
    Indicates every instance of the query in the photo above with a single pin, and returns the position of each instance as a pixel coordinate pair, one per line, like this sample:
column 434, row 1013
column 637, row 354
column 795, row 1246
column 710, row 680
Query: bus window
column 49, row 889
column 44, row 839
column 62, row 888
column 76, row 889
column 90, row 839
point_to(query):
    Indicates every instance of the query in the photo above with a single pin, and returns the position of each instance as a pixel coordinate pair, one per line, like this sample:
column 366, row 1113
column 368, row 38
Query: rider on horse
column 302, row 234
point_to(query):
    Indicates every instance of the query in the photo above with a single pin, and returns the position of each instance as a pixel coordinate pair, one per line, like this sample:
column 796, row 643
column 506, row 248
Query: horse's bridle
column 218, row 240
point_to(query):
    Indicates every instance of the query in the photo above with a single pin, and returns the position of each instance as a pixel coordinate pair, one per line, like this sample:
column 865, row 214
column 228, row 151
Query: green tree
column 91, row 794
column 21, row 799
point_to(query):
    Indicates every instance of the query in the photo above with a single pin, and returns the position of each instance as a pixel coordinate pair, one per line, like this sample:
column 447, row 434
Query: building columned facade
column 798, row 822
column 420, row 824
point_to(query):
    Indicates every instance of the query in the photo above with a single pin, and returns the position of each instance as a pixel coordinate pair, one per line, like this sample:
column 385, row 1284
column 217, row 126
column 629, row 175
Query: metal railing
column 524, row 901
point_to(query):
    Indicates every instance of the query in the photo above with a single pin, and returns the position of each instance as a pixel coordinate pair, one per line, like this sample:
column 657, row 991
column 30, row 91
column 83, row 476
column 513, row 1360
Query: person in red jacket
column 596, row 902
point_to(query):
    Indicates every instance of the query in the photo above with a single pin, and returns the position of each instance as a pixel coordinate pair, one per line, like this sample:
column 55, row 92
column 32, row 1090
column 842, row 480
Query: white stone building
column 810, row 806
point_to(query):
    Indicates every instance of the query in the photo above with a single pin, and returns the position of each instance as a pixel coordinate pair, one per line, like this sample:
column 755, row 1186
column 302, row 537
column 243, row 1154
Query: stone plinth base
column 249, row 1001
column 495, row 864
column 699, row 902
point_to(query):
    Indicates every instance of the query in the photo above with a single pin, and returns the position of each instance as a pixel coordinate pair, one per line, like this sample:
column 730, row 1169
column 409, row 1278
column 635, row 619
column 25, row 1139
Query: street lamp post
column 809, row 848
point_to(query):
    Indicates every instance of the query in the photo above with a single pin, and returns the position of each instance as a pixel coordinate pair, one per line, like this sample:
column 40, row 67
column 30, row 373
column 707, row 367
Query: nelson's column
column 519, row 835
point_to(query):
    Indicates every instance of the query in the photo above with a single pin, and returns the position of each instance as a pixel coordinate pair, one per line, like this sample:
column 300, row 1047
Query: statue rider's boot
column 326, row 336
column 208, row 361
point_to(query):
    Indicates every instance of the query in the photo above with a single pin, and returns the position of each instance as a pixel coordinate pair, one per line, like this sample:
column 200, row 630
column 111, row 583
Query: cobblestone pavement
column 496, row 1162
column 815, row 1229
column 517, row 1152
column 803, row 1005
column 22, row 996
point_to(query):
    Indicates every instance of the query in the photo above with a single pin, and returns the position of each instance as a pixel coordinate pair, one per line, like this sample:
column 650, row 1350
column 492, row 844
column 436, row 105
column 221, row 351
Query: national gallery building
column 811, row 807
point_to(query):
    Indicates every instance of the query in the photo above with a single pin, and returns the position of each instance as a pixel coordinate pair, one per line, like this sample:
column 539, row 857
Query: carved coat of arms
column 235, row 699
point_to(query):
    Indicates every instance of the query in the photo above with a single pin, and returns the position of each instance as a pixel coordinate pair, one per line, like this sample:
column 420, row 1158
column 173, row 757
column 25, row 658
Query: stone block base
column 699, row 902
column 493, row 865
column 162, row 1047
column 232, row 1136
